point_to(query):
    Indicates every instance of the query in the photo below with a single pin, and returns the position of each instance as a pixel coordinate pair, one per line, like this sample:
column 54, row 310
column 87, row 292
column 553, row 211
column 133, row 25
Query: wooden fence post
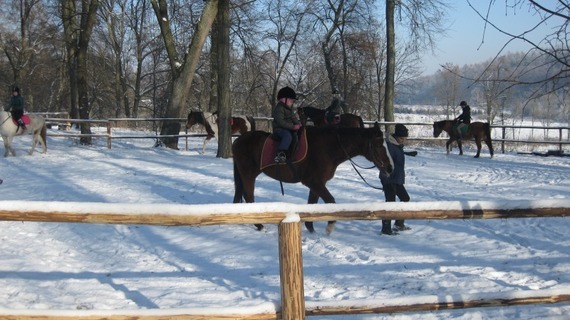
column 291, row 270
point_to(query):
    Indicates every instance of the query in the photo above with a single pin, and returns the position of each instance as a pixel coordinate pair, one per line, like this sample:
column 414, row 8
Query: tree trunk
column 181, row 76
column 390, row 62
column 88, row 19
column 224, row 103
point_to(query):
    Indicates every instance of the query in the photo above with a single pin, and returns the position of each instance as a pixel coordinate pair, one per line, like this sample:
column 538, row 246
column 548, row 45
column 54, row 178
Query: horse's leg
column 35, row 135
column 313, row 198
column 448, row 146
column 490, row 146
column 323, row 193
column 8, row 146
column 478, row 143
column 460, row 146
column 204, row 145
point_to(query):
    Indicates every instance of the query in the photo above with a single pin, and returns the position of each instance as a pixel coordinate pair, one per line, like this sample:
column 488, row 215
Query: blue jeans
column 286, row 137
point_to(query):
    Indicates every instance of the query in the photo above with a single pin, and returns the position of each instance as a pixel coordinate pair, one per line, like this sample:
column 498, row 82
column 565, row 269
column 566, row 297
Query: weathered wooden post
column 291, row 269
column 109, row 125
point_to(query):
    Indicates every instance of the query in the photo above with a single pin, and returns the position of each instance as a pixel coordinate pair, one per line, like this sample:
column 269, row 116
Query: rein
column 354, row 165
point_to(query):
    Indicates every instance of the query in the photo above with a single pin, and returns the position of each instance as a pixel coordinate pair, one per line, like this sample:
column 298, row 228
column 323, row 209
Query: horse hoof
column 259, row 227
column 330, row 227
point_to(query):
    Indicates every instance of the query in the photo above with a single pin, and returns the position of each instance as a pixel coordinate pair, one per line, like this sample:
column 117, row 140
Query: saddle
column 270, row 145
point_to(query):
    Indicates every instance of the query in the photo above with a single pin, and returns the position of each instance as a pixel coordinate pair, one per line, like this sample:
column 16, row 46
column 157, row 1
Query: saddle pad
column 269, row 150
column 25, row 118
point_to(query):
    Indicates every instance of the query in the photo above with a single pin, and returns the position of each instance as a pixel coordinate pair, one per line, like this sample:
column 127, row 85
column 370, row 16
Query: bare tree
column 448, row 87
column 182, row 70
column 551, row 55
column 425, row 19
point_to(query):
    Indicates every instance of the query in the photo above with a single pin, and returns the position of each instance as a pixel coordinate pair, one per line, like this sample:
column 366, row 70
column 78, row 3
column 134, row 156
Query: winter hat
column 286, row 92
column 401, row 130
column 16, row 89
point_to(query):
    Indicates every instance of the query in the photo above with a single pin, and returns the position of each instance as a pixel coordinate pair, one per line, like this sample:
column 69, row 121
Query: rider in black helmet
column 285, row 121
column 16, row 107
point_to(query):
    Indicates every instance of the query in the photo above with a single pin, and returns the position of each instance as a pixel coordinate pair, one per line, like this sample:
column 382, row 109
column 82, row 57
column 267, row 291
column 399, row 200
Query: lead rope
column 354, row 165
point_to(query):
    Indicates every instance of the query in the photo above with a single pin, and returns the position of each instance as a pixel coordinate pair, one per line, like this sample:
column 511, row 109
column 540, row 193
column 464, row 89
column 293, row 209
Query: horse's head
column 193, row 118
column 378, row 151
column 302, row 115
column 437, row 128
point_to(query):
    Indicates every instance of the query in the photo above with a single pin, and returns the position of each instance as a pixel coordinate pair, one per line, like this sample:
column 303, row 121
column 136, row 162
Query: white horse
column 8, row 129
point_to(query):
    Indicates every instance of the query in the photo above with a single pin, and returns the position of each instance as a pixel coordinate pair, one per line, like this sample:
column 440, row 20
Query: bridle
column 369, row 148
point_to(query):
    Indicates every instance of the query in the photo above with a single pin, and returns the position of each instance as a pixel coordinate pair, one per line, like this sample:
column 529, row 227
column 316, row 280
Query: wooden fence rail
column 289, row 218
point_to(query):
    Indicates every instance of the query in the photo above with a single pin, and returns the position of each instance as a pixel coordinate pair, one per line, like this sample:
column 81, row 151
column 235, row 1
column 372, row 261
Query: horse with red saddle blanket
column 35, row 125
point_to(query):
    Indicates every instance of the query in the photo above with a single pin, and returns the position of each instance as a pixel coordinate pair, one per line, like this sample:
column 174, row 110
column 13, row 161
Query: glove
column 296, row 127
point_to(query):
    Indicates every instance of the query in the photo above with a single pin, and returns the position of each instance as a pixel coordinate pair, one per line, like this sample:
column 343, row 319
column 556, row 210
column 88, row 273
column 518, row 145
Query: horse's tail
column 238, row 185
column 43, row 134
column 251, row 122
column 487, row 128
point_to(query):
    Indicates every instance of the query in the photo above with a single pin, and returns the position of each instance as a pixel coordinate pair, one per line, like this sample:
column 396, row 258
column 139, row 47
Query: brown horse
column 480, row 131
column 327, row 148
column 317, row 116
column 210, row 122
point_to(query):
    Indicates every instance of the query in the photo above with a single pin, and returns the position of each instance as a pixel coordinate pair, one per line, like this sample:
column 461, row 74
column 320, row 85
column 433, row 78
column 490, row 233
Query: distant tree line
column 534, row 84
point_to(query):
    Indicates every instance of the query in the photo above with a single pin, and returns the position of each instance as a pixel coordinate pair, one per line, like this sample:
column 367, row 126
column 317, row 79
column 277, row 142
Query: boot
column 387, row 228
column 21, row 124
column 400, row 226
column 281, row 157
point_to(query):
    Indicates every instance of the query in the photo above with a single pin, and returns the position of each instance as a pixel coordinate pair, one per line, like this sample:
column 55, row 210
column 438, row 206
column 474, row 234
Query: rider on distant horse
column 286, row 123
column 333, row 112
column 16, row 107
column 464, row 119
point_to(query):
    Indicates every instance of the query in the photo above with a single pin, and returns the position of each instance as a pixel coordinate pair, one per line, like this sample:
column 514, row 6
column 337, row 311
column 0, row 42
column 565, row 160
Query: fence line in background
column 560, row 142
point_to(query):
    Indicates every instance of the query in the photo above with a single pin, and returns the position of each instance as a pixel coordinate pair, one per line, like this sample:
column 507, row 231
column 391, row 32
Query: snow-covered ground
column 73, row 267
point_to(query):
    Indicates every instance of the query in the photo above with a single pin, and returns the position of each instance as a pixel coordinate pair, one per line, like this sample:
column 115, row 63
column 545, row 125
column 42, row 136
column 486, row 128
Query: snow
column 72, row 268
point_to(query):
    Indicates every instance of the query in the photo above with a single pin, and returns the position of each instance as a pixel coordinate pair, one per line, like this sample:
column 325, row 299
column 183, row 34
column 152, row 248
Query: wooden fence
column 289, row 241
column 263, row 123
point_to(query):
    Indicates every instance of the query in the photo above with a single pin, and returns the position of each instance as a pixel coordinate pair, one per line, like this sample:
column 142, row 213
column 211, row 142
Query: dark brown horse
column 210, row 122
column 328, row 147
column 317, row 116
column 480, row 131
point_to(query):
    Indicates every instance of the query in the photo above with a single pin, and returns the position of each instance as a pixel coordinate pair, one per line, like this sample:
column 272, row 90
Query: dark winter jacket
column 465, row 116
column 284, row 117
column 336, row 106
column 396, row 150
column 16, row 104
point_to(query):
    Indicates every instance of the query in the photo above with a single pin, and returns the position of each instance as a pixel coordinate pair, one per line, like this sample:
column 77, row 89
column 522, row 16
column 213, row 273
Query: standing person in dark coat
column 464, row 119
column 16, row 107
column 286, row 122
column 393, row 184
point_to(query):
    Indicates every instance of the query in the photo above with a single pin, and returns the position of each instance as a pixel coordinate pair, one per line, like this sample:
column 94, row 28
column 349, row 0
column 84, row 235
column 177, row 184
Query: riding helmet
column 463, row 103
column 286, row 92
column 401, row 130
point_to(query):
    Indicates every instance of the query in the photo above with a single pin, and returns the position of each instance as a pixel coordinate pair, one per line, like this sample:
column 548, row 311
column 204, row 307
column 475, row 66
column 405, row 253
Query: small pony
column 317, row 116
column 480, row 131
column 209, row 120
column 35, row 125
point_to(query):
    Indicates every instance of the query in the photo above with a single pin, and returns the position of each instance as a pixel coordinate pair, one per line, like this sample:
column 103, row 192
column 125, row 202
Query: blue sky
column 467, row 41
